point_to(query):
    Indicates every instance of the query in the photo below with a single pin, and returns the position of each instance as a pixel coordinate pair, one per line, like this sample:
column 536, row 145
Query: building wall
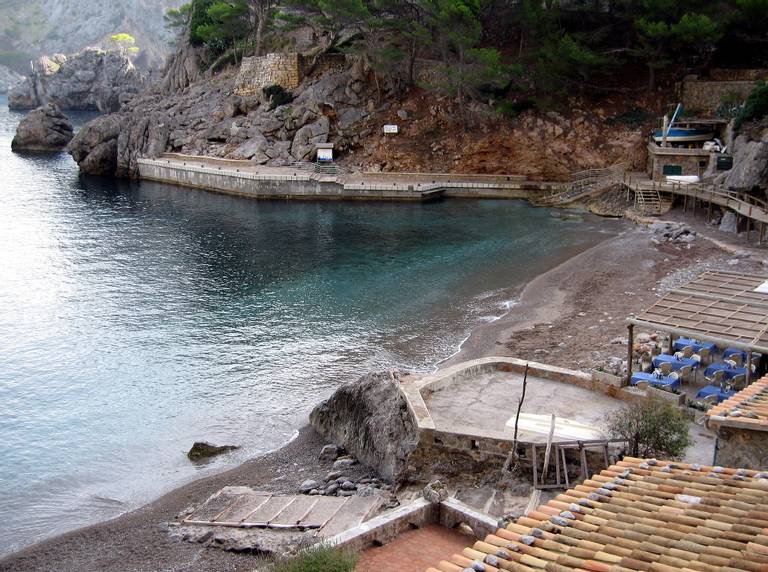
column 741, row 448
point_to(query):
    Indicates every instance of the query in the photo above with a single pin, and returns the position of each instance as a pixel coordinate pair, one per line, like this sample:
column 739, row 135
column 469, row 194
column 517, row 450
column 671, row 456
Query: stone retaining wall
column 705, row 96
column 256, row 73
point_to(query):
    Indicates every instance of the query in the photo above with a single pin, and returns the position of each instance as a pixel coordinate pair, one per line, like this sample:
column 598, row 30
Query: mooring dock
column 243, row 178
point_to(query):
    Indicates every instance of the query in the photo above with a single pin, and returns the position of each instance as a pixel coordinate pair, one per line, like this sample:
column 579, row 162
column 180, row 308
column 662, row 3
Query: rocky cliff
column 190, row 114
column 750, row 160
column 90, row 80
column 39, row 27
column 207, row 119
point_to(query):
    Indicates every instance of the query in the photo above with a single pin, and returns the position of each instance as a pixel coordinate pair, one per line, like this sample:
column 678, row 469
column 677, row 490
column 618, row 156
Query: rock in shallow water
column 43, row 129
column 204, row 450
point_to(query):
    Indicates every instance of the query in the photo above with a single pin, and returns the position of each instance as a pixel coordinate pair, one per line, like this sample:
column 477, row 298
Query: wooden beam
column 630, row 349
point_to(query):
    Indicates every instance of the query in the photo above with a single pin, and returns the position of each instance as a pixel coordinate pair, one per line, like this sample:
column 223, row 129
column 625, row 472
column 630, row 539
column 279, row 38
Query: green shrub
column 278, row 95
column 756, row 106
column 320, row 559
column 514, row 108
column 654, row 428
column 633, row 118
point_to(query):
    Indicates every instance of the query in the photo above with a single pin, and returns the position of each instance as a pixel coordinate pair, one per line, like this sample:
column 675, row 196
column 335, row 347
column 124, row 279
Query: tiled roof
column 649, row 515
column 747, row 409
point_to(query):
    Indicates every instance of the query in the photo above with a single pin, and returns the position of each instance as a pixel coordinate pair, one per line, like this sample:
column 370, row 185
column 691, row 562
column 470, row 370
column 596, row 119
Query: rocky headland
column 93, row 79
column 43, row 129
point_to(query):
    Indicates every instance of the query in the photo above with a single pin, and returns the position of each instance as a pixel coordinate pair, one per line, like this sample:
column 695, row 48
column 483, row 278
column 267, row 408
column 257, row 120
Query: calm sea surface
column 138, row 318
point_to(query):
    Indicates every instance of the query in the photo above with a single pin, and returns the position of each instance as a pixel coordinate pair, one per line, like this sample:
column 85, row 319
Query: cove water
column 138, row 318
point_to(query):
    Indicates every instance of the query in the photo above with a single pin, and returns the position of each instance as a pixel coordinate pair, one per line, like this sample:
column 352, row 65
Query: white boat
column 684, row 179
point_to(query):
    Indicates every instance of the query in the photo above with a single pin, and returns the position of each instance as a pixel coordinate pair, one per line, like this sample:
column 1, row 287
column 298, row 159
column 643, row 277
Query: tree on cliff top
column 125, row 43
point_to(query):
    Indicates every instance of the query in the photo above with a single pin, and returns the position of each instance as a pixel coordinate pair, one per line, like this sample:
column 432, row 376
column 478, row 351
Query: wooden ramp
column 243, row 507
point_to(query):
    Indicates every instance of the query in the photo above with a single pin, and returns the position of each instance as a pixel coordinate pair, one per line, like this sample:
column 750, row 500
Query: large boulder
column 750, row 163
column 90, row 80
column 94, row 148
column 43, row 129
column 370, row 418
column 308, row 137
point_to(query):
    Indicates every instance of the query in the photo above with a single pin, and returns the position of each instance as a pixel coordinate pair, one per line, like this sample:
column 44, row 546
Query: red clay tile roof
column 647, row 515
column 748, row 409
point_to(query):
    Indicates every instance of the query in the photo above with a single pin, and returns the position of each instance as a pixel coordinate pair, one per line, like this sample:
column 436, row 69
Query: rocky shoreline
column 587, row 295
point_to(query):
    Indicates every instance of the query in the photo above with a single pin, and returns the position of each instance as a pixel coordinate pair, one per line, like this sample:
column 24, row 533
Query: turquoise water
column 137, row 318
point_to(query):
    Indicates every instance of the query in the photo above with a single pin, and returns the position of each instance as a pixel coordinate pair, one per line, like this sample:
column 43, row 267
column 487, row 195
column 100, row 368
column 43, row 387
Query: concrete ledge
column 388, row 526
column 454, row 512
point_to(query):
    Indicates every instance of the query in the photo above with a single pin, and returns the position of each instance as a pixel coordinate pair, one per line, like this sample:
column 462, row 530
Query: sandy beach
column 567, row 316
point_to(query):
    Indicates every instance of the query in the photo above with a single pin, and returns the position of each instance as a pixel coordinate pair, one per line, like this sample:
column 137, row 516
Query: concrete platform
column 484, row 405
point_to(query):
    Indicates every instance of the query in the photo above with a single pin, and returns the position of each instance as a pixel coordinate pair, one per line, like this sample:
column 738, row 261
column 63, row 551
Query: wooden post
column 709, row 212
column 671, row 346
column 513, row 451
column 548, row 450
column 665, row 128
column 749, row 368
column 630, row 344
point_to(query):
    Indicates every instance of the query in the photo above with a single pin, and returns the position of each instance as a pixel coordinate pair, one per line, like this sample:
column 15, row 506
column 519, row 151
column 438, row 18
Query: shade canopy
column 725, row 308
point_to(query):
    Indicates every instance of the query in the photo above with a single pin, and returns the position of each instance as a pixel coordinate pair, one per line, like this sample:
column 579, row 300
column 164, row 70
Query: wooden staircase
column 652, row 202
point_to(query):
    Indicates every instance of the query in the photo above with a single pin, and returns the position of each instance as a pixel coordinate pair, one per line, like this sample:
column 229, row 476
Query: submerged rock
column 204, row 450
column 370, row 418
column 43, row 129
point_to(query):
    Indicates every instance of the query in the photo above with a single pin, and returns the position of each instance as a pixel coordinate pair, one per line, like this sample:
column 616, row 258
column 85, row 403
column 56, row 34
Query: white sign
column 390, row 129
column 325, row 154
column 763, row 288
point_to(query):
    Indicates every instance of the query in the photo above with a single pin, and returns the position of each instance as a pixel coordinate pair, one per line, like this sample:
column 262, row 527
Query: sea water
column 138, row 318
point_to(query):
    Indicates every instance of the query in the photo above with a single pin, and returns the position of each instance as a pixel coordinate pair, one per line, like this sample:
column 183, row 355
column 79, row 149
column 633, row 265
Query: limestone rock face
column 750, row 163
column 91, row 80
column 44, row 129
column 370, row 419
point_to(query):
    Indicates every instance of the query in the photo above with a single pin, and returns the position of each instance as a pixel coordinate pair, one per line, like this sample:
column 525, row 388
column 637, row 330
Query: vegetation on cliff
column 496, row 48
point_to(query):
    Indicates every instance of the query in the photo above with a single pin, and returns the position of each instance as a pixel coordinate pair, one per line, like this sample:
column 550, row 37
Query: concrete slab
column 483, row 404
column 353, row 512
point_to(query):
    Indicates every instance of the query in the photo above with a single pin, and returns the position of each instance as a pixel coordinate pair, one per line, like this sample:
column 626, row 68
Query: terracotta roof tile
column 648, row 515
column 747, row 409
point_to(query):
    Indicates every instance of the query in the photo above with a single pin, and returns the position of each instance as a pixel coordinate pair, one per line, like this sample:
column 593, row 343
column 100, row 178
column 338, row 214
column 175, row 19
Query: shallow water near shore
column 137, row 318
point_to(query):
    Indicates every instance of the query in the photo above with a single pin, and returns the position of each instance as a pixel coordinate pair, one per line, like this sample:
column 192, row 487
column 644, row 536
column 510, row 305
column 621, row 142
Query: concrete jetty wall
column 240, row 178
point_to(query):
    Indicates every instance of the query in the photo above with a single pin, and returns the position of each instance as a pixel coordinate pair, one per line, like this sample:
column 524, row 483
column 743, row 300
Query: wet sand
column 566, row 316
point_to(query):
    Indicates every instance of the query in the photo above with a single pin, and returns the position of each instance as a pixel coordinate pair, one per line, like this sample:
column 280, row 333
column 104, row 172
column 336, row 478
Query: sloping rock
column 370, row 418
column 254, row 148
column 308, row 136
column 94, row 148
column 91, row 80
column 750, row 163
column 44, row 129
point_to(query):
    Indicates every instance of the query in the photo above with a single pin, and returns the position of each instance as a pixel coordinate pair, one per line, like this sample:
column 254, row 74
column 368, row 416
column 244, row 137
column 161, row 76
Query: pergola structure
column 725, row 308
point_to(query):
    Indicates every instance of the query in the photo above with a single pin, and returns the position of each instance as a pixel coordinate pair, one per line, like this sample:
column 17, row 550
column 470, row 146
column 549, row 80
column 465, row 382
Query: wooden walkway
column 652, row 197
column 242, row 507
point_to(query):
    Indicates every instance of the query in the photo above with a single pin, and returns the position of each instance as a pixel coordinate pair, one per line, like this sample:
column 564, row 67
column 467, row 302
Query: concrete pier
column 243, row 178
